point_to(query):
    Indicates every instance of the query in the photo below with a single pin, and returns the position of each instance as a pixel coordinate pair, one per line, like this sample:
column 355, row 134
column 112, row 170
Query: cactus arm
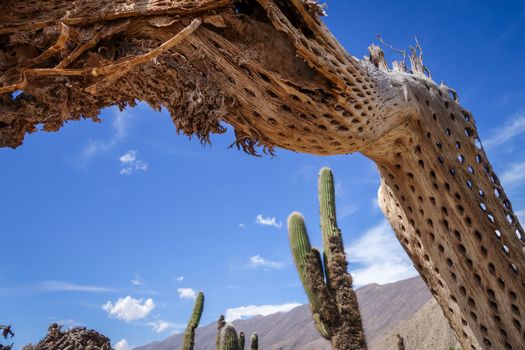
column 300, row 246
column 189, row 334
column 254, row 342
column 321, row 327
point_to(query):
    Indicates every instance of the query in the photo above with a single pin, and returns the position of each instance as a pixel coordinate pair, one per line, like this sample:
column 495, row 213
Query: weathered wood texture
column 272, row 70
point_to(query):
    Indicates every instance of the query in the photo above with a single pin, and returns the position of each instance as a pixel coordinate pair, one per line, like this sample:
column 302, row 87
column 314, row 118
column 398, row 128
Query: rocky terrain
column 405, row 307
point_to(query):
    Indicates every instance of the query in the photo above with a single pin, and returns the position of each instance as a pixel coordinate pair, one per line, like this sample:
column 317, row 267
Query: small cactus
column 329, row 288
column 254, row 342
column 241, row 341
column 228, row 339
column 189, row 334
column 400, row 342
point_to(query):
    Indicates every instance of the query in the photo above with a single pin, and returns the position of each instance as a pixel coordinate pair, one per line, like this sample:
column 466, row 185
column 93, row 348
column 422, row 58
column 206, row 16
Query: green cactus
column 329, row 288
column 228, row 339
column 241, row 341
column 220, row 325
column 254, row 342
column 189, row 334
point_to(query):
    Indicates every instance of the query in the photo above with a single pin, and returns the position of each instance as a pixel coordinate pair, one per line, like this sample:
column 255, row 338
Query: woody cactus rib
column 332, row 300
column 189, row 334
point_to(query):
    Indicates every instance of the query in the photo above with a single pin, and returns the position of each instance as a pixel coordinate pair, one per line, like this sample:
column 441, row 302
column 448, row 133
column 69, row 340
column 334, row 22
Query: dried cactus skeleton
column 208, row 61
column 329, row 288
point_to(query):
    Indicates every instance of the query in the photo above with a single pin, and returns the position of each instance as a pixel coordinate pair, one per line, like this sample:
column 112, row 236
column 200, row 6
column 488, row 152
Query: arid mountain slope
column 404, row 307
column 426, row 329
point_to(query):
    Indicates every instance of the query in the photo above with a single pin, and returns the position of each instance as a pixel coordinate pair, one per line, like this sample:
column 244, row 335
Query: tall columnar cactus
column 329, row 289
column 254, row 342
column 189, row 334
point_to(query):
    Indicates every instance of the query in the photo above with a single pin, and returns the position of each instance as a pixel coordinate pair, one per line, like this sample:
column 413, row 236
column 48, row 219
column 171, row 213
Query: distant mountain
column 405, row 307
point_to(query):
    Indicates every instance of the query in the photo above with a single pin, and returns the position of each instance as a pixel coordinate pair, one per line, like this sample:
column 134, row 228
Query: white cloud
column 60, row 286
column 259, row 261
column 130, row 163
column 514, row 175
column 380, row 257
column 187, row 293
column 241, row 225
column 180, row 279
column 510, row 130
column 161, row 326
column 137, row 281
column 129, row 309
column 122, row 345
column 70, row 323
column 252, row 310
column 269, row 221
column 119, row 126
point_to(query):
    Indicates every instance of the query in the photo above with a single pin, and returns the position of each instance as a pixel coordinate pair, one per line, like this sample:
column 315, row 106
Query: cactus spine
column 329, row 288
column 254, row 342
column 189, row 334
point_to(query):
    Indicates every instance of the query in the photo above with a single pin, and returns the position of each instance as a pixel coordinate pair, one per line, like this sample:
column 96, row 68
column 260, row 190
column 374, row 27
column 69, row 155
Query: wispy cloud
column 187, row 293
column 242, row 312
column 122, row 345
column 119, row 126
column 514, row 175
column 179, row 279
column 379, row 256
column 130, row 164
column 54, row 287
column 61, row 286
column 70, row 323
column 129, row 309
column 161, row 326
column 259, row 261
column 269, row 221
column 346, row 210
column 511, row 129
column 241, row 225
column 137, row 281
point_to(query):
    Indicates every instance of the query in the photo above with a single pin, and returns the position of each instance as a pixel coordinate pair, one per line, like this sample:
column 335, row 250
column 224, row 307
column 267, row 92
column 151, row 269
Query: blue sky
column 114, row 225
